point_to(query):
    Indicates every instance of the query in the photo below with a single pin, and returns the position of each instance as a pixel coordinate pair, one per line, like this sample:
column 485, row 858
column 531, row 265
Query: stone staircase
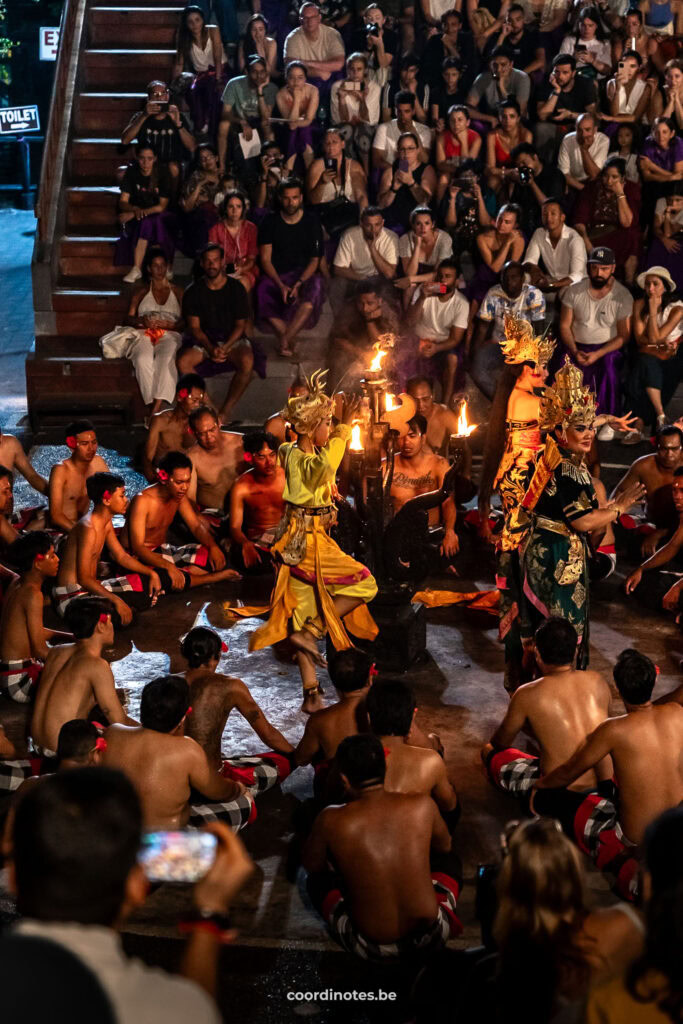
column 122, row 49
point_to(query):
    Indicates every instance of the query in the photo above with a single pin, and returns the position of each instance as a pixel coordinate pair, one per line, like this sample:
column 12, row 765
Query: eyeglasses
column 407, row 149
column 668, row 448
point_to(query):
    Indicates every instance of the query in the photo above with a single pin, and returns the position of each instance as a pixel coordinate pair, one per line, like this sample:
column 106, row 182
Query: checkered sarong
column 18, row 678
column 234, row 813
column 258, row 773
column 13, row 773
column 420, row 942
column 598, row 833
column 62, row 596
column 184, row 554
column 513, row 770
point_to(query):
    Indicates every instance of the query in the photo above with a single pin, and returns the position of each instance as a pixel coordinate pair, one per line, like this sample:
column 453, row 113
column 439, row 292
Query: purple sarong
column 269, row 299
column 210, row 368
column 204, row 101
column 159, row 229
column 604, row 378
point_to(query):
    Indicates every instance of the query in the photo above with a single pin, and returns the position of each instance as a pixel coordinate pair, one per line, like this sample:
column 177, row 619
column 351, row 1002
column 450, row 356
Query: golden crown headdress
column 521, row 345
column 306, row 412
column 567, row 401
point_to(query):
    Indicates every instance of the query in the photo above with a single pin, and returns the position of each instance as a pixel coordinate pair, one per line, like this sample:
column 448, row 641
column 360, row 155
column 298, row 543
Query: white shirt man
column 566, row 259
column 386, row 138
column 438, row 317
column 353, row 251
column 594, row 320
column 326, row 46
column 570, row 161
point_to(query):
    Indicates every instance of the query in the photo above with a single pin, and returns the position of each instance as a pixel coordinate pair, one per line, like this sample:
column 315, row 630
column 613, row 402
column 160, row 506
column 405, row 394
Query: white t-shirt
column 386, row 138
column 327, row 46
column 660, row 210
column 372, row 97
column 438, row 317
column 566, row 259
column 353, row 251
column 569, row 159
column 595, row 320
column 601, row 51
column 443, row 247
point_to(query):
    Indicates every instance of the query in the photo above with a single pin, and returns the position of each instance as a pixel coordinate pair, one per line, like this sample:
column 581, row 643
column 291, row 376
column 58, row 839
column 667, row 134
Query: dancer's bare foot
column 302, row 640
column 313, row 701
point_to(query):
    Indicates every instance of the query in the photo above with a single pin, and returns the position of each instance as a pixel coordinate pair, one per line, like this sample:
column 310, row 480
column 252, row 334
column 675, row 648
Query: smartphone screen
column 330, row 163
column 403, row 165
column 177, row 856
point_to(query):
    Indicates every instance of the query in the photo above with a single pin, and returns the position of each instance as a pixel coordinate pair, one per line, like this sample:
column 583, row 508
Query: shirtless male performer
column 215, row 456
column 560, row 709
column 645, row 747
column 396, row 884
column 417, row 471
column 169, row 431
column 23, row 637
column 256, row 503
column 276, row 424
column 149, row 517
column 164, row 765
column 663, row 588
column 76, row 677
column 13, row 458
column 351, row 672
column 78, row 568
column 656, row 472
column 68, row 497
column 7, row 532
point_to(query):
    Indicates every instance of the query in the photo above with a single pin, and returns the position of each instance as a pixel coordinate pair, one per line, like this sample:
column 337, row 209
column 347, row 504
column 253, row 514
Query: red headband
column 162, row 475
column 248, row 457
column 373, row 670
column 106, row 496
column 183, row 393
column 189, row 711
column 103, row 618
column 101, row 744
column 224, row 647
column 39, row 558
column 71, row 442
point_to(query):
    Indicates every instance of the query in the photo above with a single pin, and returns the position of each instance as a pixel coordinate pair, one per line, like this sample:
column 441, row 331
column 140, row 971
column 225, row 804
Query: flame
column 376, row 363
column 391, row 403
column 356, row 444
column 464, row 428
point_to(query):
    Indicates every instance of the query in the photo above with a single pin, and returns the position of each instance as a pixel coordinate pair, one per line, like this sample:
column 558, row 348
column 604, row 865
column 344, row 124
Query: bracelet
column 622, row 196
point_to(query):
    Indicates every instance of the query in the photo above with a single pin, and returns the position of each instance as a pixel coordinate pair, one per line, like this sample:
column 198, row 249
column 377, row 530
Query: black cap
column 602, row 255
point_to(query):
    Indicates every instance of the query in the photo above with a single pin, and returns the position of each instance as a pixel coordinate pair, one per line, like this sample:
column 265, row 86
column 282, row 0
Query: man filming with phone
column 162, row 127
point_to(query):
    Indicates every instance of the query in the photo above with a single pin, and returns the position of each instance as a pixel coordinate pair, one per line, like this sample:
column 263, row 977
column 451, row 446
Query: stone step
column 124, row 26
column 129, row 68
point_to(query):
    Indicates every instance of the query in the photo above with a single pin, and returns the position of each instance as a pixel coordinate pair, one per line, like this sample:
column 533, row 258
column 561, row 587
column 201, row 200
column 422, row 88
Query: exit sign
column 49, row 43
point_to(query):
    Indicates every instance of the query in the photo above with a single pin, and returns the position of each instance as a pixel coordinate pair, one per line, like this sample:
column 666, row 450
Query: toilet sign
column 49, row 43
column 19, row 119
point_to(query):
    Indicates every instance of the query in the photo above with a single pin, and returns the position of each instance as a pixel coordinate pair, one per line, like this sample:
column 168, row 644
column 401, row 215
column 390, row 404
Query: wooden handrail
column 59, row 122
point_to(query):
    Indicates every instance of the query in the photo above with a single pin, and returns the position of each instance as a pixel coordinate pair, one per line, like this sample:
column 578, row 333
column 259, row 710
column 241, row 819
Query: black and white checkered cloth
column 13, row 773
column 234, row 813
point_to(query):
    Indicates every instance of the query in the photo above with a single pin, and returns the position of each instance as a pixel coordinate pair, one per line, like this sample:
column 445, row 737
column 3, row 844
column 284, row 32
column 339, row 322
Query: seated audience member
column 588, row 45
column 400, row 841
column 668, row 101
column 161, row 127
column 355, row 107
column 583, row 153
column 76, row 679
column 199, row 211
column 647, row 735
column 452, row 94
column 166, row 766
column 216, row 457
column 409, row 81
column 154, row 311
column 505, row 137
column 23, row 637
column 248, row 103
column 290, row 292
column 463, row 209
column 80, row 567
column 502, row 81
column 512, row 295
column 522, row 41
column 496, row 246
column 264, row 189
column 661, row 162
column 169, row 431
column 201, row 59
column 651, row 988
column 562, row 100
column 214, row 697
column 14, row 460
column 148, row 521
column 277, row 424
column 529, row 183
column 411, row 766
column 216, row 311
column 86, row 824
column 297, row 106
column 667, row 234
column 407, row 183
column 421, row 250
column 633, row 37
column 351, row 673
column 595, row 323
column 385, row 142
column 368, row 252
column 417, row 470
column 556, row 255
column 237, row 238
column 550, row 947
column 318, row 47
column 353, row 336
column 67, row 488
column 439, row 320
column 607, row 214
column 453, row 43
column 441, row 421
column 335, row 185
column 257, row 43
column 658, row 327
column 656, row 472
column 378, row 41
column 256, row 503
column 558, row 711
column 662, row 589
column 145, row 194
column 455, row 143
column 628, row 95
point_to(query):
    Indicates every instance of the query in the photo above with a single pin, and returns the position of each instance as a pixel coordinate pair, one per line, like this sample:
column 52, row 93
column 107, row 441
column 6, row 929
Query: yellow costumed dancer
column 318, row 588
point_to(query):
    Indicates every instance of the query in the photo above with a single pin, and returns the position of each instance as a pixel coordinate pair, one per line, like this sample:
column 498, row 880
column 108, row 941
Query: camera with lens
column 371, row 29
column 524, row 174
